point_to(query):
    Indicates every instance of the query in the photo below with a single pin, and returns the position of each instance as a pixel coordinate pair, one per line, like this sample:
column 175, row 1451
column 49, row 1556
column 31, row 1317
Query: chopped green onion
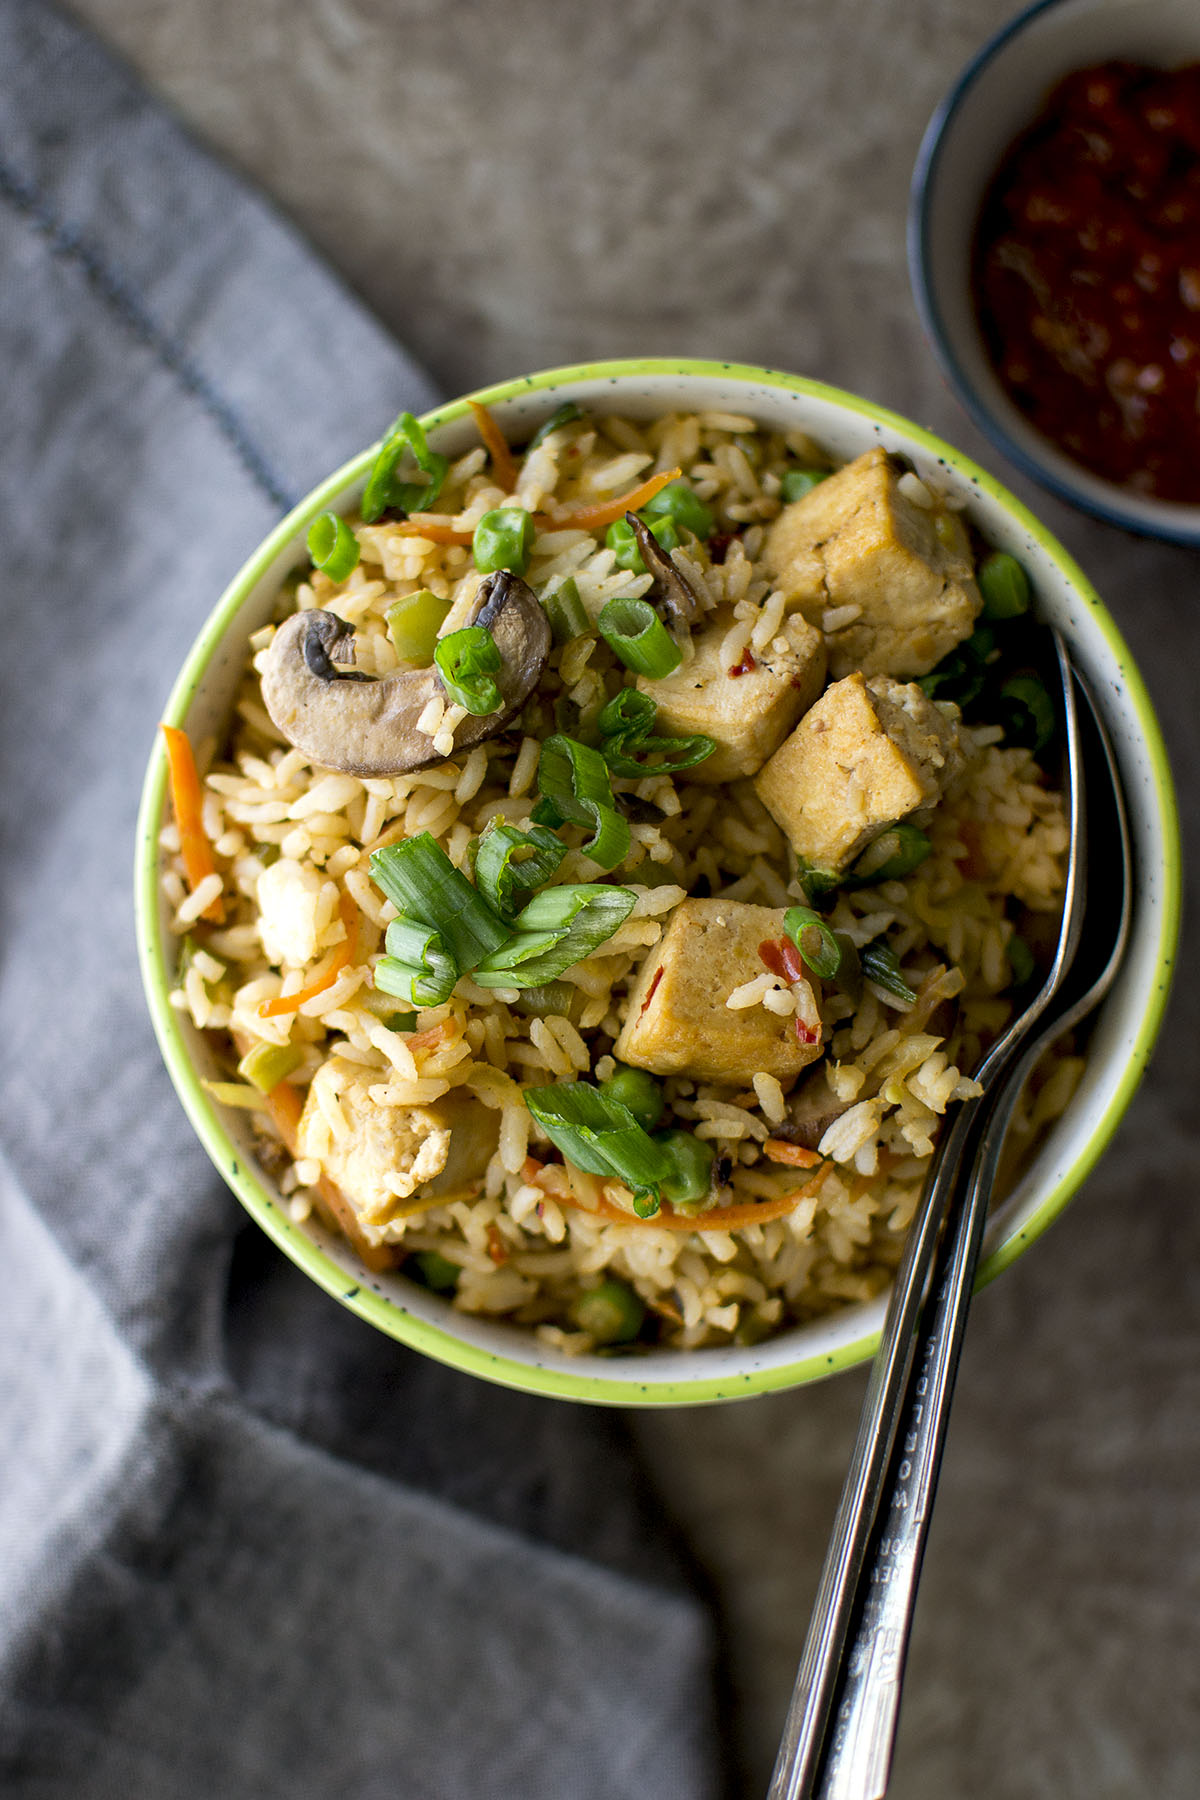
column 553, row 1000
column 574, row 779
column 420, row 880
column 646, row 1203
column 798, row 482
column 677, row 501
column 638, row 1091
column 559, row 927
column 503, row 540
column 1020, row 960
column 600, row 1136
column 384, row 493
column 610, row 1313
column 510, row 863
column 850, row 969
column 817, row 944
column 413, row 624
column 266, row 1065
column 466, row 662
column 1027, row 712
column 400, row 1021
column 566, row 414
column 566, row 611
column 895, row 853
column 433, row 1271
column 622, row 541
column 418, row 967
column 690, row 1178
column 958, row 677
column 815, row 880
column 636, row 635
column 626, row 728
column 1004, row 586
column 332, row 546
column 232, row 1093
column 882, row 966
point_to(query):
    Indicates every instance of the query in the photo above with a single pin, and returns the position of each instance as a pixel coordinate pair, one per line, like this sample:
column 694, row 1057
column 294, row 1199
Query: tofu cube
column 677, row 1022
column 392, row 1161
column 856, row 541
column 866, row 755
column 747, row 715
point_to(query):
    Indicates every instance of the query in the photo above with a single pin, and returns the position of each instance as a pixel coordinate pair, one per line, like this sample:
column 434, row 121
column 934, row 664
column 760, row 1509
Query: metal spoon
column 817, row 1696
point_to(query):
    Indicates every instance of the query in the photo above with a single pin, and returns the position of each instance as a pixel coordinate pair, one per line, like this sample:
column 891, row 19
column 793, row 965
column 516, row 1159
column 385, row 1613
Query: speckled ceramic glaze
column 996, row 96
column 1125, row 1028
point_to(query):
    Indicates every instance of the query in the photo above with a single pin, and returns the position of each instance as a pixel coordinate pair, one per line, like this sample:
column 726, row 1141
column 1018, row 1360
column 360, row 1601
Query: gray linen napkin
column 248, row 1547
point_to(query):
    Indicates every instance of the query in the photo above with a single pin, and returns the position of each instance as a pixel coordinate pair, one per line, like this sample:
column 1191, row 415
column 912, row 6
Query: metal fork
column 840, row 1729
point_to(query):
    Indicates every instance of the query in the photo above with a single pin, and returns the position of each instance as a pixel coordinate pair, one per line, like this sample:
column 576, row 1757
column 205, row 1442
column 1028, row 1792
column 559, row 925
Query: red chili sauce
column 1086, row 274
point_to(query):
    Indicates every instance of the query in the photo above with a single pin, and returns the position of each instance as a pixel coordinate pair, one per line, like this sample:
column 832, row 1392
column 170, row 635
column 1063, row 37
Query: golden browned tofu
column 867, row 754
column 898, row 578
column 392, row 1161
column 748, row 715
column 677, row 1022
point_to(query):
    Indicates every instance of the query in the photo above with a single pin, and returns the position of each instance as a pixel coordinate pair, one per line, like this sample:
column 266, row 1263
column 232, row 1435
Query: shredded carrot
column 435, row 530
column 341, row 957
column 503, row 466
column 717, row 1218
column 777, row 1150
column 433, row 1034
column 285, row 1104
column 186, row 802
column 497, row 1249
column 593, row 518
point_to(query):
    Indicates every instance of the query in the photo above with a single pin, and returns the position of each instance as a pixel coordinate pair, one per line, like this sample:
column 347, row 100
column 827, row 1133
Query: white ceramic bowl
column 996, row 96
column 201, row 703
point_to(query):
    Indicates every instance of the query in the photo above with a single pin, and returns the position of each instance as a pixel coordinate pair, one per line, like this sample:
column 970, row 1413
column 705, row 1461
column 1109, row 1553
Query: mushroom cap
column 368, row 727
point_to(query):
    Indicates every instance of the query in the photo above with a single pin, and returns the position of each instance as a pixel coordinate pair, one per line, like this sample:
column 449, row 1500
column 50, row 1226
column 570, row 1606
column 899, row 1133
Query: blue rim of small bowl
column 930, row 314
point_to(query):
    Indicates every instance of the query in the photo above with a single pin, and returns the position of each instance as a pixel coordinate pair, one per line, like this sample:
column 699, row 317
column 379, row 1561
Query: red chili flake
column 746, row 665
column 658, row 975
column 497, row 1248
column 804, row 1033
column 782, row 959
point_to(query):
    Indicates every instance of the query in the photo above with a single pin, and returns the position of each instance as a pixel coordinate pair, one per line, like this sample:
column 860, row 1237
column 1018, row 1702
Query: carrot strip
column 186, row 803
column 416, row 526
column 717, row 1218
column 777, row 1150
column 503, row 466
column 432, row 1034
column 341, row 957
column 285, row 1104
column 592, row 518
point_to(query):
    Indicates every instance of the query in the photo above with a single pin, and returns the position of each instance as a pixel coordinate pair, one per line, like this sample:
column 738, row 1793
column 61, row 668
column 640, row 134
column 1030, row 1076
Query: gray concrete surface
column 527, row 183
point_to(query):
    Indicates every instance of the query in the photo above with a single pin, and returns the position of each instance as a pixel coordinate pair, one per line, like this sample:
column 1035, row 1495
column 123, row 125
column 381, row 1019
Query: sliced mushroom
column 812, row 1109
column 366, row 725
column 671, row 589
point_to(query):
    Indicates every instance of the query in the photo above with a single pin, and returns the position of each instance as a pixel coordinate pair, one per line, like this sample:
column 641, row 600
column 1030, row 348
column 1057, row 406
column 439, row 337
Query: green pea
column 611, row 1313
column 690, row 1180
column 1004, row 586
column 677, row 501
column 434, row 1271
column 504, row 540
column 798, row 482
column 638, row 1091
column 622, row 539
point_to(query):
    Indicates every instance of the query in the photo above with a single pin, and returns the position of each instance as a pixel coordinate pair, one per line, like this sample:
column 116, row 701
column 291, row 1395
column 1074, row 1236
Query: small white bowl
column 997, row 95
column 201, row 703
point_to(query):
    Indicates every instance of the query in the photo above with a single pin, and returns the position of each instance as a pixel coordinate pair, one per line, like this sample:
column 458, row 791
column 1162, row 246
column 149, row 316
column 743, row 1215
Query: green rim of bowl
column 388, row 1314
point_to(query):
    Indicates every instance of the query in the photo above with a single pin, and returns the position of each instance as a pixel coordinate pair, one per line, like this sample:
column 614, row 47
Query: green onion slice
column 678, row 502
column 566, row 414
column 1004, row 586
column 418, row 967
column 574, row 780
column 504, row 540
column 882, row 966
column 559, row 927
column 566, row 611
column 1027, row 712
column 510, row 863
column 600, row 1136
column 466, row 662
column 629, row 743
column 420, row 880
column 817, row 943
column 636, row 635
column 332, row 546
column 264, row 1066
column 622, row 541
column 413, row 624
column 895, row 853
column 384, row 492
